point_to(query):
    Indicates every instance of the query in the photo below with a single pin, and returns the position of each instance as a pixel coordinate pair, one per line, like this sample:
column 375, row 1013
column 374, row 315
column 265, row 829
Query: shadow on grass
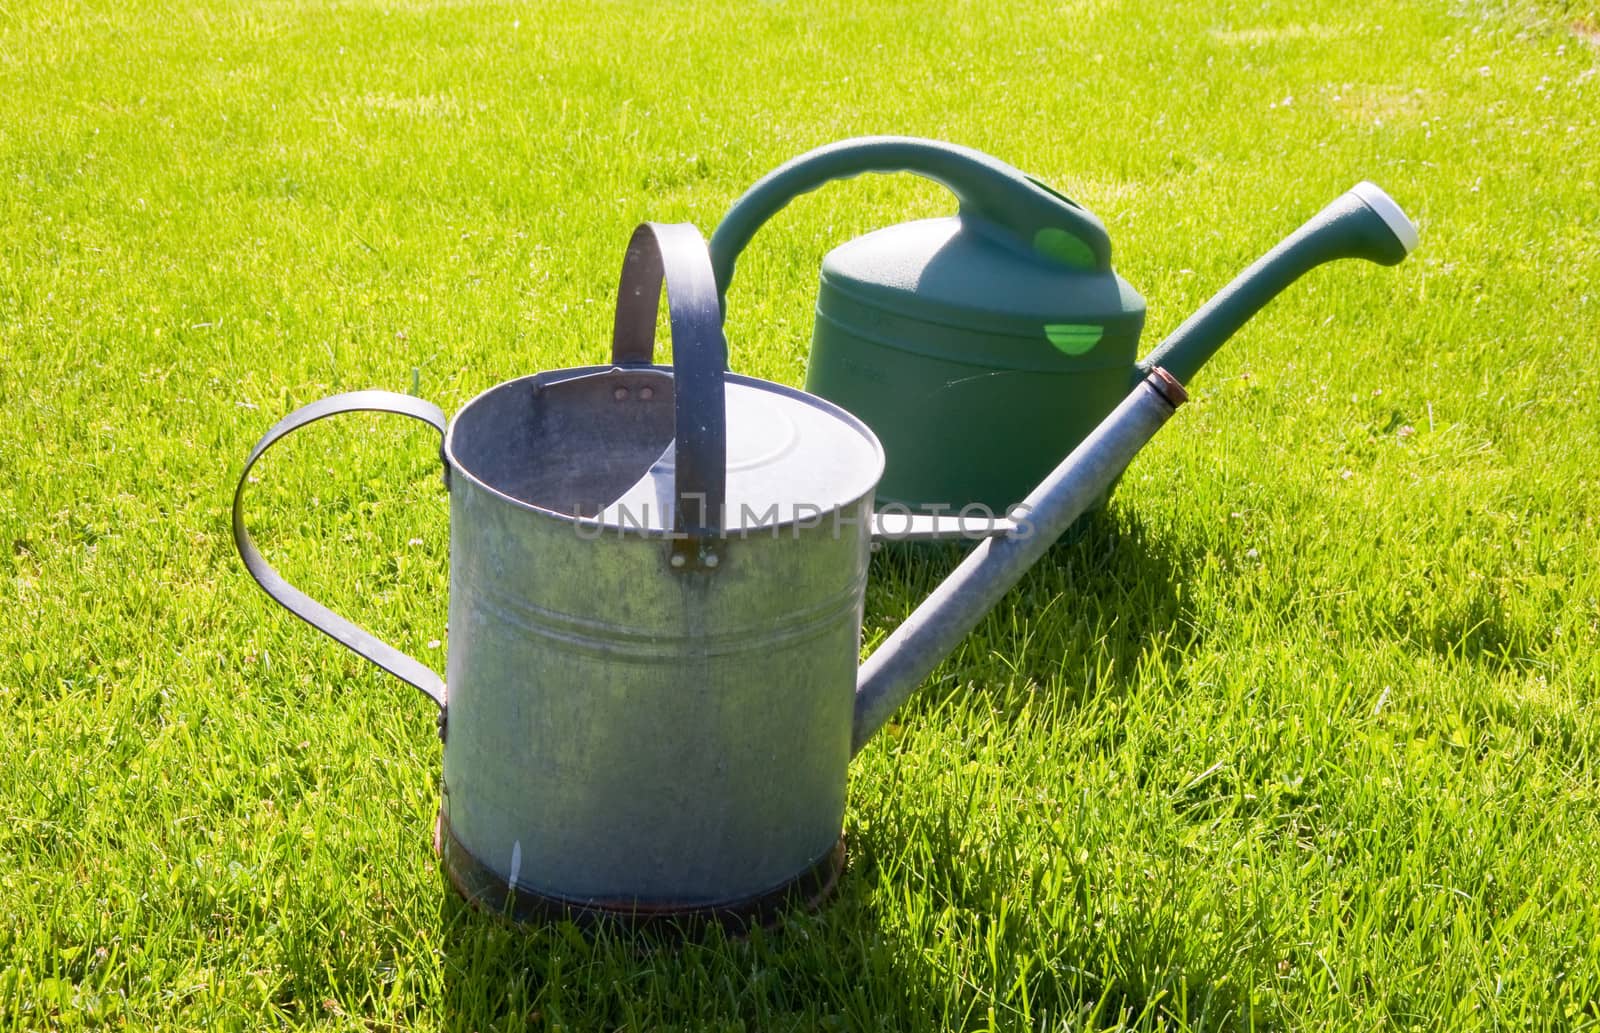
column 834, row 968
column 1051, row 943
column 1093, row 614
column 946, row 947
column 1475, row 628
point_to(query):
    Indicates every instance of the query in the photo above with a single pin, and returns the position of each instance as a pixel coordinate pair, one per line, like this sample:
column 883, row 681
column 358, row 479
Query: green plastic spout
column 1364, row 222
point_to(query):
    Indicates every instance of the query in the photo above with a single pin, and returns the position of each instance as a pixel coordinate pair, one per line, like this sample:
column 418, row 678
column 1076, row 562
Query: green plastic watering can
column 983, row 347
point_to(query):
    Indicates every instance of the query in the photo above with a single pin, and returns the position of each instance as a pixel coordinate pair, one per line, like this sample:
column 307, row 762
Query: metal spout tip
column 1374, row 197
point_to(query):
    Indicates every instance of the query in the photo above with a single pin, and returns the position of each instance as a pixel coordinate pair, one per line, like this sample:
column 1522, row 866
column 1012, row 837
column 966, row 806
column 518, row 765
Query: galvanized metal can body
column 623, row 732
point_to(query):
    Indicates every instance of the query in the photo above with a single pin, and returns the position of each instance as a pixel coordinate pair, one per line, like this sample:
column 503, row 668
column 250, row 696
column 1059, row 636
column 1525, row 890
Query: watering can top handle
column 1005, row 201
column 676, row 253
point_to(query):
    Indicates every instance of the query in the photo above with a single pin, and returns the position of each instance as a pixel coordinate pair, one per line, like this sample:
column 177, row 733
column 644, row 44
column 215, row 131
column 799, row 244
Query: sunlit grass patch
column 1301, row 733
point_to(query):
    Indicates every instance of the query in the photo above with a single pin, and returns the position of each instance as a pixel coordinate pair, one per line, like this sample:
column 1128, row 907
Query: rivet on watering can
column 647, row 393
column 620, row 394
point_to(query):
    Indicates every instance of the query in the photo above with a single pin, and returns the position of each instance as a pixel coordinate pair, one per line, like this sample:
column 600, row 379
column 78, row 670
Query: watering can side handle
column 356, row 639
column 1019, row 206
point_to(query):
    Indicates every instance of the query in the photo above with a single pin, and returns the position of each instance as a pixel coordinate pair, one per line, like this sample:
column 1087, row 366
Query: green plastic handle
column 1003, row 201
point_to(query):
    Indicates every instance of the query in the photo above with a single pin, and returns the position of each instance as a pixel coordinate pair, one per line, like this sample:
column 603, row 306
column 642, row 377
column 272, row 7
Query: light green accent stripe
column 1073, row 339
column 1063, row 246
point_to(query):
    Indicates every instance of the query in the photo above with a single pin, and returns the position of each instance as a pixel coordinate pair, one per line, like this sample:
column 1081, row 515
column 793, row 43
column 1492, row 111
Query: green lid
column 949, row 289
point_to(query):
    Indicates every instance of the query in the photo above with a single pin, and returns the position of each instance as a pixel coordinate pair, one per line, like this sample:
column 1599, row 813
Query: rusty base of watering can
column 484, row 889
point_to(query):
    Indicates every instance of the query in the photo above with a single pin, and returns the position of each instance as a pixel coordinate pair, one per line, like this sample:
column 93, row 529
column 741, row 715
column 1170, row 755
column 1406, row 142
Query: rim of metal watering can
column 789, row 460
column 740, row 455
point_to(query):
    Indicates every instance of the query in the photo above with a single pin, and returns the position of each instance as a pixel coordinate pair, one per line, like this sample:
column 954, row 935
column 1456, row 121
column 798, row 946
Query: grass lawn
column 1303, row 733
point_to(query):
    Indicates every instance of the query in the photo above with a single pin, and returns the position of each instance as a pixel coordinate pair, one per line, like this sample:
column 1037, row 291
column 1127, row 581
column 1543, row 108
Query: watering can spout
column 937, row 626
column 1362, row 223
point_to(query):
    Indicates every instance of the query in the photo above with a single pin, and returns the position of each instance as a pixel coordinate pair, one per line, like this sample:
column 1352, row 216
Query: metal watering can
column 651, row 711
column 983, row 347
